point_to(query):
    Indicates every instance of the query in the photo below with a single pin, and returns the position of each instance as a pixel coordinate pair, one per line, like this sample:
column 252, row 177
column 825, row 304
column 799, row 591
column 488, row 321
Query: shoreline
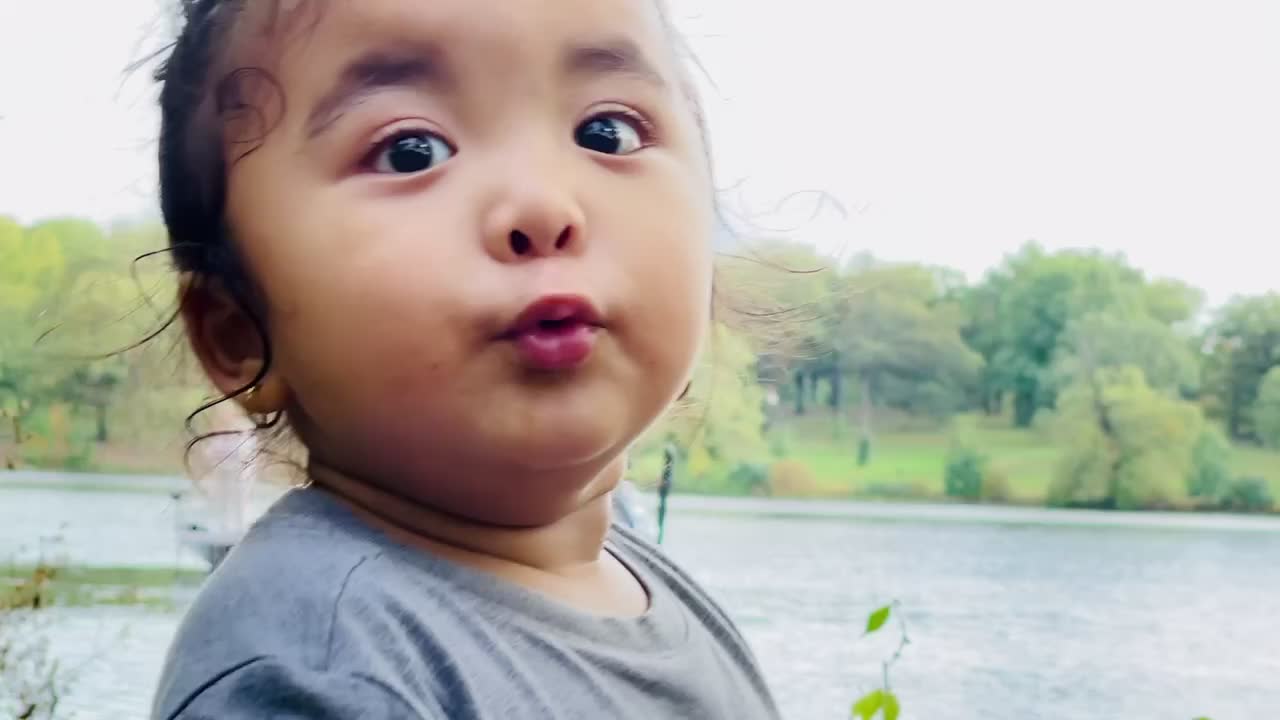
column 851, row 509
column 972, row 514
column 90, row 482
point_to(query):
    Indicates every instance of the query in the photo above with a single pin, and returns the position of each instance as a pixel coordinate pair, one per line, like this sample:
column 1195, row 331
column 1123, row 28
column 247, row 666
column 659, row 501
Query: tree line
column 1143, row 387
column 75, row 298
column 1141, row 383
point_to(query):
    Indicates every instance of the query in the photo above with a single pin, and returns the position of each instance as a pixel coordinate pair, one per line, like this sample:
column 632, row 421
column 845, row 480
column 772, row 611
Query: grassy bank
column 905, row 464
column 910, row 464
column 47, row 585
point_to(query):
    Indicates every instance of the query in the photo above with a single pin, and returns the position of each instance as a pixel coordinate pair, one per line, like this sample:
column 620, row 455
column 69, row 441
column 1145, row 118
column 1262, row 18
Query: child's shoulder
column 305, row 581
column 314, row 605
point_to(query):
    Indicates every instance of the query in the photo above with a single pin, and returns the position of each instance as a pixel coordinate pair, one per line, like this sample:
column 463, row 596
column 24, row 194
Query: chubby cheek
column 671, row 318
column 364, row 312
column 666, row 265
column 383, row 375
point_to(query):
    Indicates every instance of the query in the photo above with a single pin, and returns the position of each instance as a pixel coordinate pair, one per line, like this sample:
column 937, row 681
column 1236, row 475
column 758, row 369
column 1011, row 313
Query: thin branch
column 902, row 643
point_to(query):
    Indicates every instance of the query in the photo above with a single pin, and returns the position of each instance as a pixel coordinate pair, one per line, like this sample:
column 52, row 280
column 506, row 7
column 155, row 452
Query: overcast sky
column 949, row 132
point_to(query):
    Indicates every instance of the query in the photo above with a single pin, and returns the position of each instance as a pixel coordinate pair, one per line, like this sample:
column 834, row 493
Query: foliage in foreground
column 32, row 682
column 882, row 701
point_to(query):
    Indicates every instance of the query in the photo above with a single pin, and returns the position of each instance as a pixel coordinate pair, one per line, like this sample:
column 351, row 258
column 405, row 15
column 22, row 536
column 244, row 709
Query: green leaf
column 877, row 619
column 891, row 706
column 869, row 705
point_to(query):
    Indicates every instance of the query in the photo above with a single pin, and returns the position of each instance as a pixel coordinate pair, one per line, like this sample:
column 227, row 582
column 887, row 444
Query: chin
column 561, row 427
column 564, row 446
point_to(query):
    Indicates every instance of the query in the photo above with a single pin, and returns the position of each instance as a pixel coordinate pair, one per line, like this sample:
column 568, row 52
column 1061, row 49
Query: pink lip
column 555, row 333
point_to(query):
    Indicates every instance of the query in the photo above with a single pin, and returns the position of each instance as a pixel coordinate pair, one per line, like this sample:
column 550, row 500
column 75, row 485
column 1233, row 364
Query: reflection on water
column 113, row 657
column 97, row 528
column 1007, row 621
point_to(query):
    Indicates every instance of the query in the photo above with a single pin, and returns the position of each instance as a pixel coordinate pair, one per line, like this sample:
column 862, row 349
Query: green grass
column 85, row 586
column 910, row 464
column 1258, row 462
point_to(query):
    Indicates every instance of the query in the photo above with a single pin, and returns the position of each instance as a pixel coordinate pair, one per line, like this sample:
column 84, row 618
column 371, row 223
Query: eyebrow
column 372, row 71
column 380, row 69
column 619, row 56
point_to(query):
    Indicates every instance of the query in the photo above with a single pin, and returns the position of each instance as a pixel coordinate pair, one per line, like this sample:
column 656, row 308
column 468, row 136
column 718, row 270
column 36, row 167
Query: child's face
column 515, row 164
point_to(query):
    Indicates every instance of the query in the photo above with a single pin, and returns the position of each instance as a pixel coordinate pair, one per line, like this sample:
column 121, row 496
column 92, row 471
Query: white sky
column 951, row 132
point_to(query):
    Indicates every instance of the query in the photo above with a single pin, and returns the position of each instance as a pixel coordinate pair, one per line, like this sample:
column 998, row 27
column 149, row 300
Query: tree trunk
column 1105, row 424
column 800, row 398
column 1237, row 399
column 866, row 413
column 991, row 399
column 1024, row 404
column 837, row 391
column 100, row 409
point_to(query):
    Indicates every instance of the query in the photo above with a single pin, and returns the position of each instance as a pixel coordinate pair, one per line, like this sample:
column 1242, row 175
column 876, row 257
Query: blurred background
column 998, row 348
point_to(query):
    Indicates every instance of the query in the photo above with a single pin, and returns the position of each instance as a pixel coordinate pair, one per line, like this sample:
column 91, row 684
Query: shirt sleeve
column 266, row 688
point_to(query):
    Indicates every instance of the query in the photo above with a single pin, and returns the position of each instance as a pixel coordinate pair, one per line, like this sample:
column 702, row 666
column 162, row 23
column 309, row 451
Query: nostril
column 563, row 240
column 520, row 243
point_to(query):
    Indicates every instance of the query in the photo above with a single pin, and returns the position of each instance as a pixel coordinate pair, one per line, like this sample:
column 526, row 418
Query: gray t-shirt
column 317, row 615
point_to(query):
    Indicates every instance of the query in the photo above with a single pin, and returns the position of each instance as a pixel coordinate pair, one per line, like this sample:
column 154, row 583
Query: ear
column 230, row 345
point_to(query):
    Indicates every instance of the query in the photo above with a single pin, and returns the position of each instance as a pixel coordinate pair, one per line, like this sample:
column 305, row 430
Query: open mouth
column 557, row 314
column 561, row 325
column 555, row 333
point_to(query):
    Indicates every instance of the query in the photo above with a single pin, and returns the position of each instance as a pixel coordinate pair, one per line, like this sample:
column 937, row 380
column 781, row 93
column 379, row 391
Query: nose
column 534, row 216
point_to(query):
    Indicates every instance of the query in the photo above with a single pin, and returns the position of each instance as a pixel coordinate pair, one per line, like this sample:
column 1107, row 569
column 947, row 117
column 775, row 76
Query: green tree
column 894, row 332
column 722, row 420
column 1115, row 340
column 984, row 307
column 1266, row 411
column 782, row 296
column 1244, row 345
column 1020, row 314
column 1172, row 303
column 1124, row 444
column 32, row 269
column 71, row 298
column 1210, row 465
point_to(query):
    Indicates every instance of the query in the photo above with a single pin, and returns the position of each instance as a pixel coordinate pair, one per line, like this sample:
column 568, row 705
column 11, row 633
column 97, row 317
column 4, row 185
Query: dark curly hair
column 205, row 109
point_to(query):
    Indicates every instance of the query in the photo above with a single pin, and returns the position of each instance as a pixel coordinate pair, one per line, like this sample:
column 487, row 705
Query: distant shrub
column 1210, row 465
column 792, row 478
column 749, row 479
column 962, row 478
column 1248, row 494
column 965, row 465
column 995, row 485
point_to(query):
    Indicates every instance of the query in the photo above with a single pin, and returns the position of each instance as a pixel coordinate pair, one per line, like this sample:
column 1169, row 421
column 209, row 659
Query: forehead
column 313, row 36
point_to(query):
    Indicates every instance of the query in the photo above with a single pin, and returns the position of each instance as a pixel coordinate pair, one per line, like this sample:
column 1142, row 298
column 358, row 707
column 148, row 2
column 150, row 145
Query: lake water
column 1012, row 614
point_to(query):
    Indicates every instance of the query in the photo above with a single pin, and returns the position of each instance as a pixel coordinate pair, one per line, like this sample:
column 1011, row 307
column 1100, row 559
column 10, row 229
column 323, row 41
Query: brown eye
column 410, row 152
column 610, row 135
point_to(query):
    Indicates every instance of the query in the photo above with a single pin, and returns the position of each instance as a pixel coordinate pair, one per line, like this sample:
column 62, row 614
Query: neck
column 561, row 547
